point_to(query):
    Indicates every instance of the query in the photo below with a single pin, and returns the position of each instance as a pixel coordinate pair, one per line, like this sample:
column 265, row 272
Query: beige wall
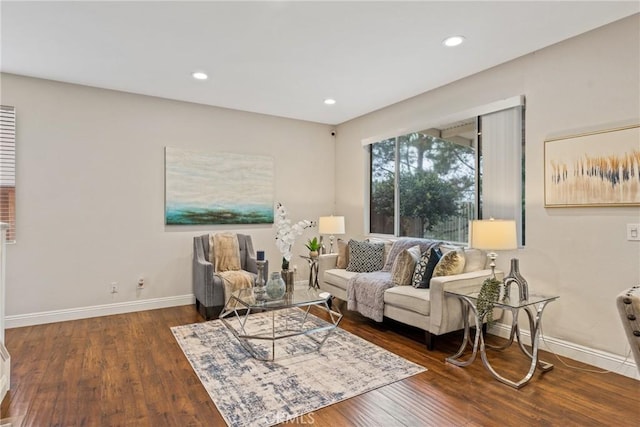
column 90, row 190
column 589, row 82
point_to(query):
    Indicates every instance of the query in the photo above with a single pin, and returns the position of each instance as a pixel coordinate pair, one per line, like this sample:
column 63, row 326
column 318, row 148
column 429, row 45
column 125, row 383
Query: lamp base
column 514, row 276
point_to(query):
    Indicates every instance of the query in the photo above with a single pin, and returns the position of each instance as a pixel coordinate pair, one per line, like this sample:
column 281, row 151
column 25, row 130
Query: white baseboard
column 43, row 317
column 598, row 358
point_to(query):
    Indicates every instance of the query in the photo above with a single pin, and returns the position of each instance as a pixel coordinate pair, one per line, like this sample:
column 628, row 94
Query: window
column 8, row 169
column 435, row 186
column 430, row 183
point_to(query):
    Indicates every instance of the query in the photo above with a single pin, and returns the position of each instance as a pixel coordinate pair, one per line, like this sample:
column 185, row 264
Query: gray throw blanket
column 365, row 293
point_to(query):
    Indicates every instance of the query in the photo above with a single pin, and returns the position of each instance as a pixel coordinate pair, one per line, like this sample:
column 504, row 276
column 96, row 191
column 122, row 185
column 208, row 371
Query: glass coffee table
column 533, row 306
column 254, row 321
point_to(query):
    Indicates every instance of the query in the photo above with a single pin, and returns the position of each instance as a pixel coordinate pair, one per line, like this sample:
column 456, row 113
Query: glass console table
column 533, row 306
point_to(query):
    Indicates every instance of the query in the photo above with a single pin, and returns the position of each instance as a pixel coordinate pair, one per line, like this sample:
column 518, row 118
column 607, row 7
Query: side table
column 313, row 271
column 533, row 306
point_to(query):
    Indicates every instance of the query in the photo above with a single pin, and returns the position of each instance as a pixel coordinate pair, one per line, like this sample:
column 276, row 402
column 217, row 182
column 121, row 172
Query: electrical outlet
column 141, row 283
column 114, row 287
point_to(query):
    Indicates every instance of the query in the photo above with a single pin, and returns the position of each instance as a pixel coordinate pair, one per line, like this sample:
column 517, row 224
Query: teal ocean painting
column 217, row 188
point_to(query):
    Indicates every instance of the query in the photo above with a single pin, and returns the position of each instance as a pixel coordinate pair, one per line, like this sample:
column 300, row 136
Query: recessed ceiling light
column 329, row 101
column 199, row 75
column 453, row 41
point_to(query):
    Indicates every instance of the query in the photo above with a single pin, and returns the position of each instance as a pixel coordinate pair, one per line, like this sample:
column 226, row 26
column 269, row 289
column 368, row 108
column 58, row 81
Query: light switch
column 633, row 232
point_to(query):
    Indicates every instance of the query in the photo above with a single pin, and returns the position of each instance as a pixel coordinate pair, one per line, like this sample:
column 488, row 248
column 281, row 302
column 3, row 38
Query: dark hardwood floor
column 127, row 370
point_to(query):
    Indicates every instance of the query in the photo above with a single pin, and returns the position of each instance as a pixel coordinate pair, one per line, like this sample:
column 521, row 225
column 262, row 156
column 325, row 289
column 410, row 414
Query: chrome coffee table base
column 288, row 318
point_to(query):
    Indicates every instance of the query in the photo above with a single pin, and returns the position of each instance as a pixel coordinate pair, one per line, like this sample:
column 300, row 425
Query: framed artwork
column 217, row 188
column 593, row 169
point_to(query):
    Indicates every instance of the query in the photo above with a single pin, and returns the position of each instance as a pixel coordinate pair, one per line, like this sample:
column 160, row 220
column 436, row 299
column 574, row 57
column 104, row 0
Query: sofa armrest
column 326, row 262
column 446, row 311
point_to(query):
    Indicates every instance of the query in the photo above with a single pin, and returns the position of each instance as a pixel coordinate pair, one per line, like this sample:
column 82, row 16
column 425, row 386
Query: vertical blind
column 502, row 178
column 8, row 169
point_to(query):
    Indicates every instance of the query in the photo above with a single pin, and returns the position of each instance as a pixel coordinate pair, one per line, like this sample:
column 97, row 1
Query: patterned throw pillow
column 450, row 264
column 424, row 268
column 404, row 265
column 365, row 257
column 343, row 254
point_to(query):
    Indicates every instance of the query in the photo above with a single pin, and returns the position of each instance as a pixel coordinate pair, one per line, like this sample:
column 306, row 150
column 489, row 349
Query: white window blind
column 8, row 169
column 502, row 179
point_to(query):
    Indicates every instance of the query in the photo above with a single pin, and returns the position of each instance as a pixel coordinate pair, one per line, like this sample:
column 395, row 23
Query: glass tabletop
column 298, row 297
column 509, row 302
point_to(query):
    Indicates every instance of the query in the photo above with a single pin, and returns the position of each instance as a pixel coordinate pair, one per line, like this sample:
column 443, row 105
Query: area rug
column 249, row 392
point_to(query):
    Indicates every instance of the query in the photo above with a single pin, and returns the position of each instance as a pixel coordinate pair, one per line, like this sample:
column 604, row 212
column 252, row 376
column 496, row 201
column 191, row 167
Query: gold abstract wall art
column 593, row 169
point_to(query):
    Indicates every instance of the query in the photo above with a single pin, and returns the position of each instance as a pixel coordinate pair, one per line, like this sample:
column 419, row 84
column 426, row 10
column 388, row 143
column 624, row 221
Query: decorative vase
column 276, row 287
column 313, row 254
column 514, row 276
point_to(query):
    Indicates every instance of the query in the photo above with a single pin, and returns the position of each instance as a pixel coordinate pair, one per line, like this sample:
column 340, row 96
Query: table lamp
column 499, row 235
column 331, row 225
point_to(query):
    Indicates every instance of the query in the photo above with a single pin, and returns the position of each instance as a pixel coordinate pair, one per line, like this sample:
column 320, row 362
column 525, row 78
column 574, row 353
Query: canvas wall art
column 217, row 188
column 594, row 169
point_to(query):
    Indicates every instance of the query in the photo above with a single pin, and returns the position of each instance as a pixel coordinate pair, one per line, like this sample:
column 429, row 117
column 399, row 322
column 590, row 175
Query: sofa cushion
column 404, row 266
column 409, row 298
column 365, row 257
column 450, row 264
column 338, row 277
column 343, row 254
column 424, row 269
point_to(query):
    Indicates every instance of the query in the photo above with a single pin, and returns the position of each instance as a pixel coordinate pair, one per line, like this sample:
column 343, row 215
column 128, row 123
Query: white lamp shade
column 331, row 225
column 493, row 234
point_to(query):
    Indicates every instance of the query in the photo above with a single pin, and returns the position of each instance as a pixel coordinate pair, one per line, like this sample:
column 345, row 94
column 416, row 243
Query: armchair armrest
column 446, row 312
column 203, row 288
column 252, row 264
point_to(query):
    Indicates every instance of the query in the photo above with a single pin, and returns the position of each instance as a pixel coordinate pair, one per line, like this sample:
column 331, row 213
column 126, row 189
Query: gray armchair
column 209, row 288
column 628, row 303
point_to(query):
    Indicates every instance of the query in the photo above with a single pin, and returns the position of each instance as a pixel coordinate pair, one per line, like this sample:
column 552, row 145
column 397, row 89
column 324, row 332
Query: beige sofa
column 428, row 309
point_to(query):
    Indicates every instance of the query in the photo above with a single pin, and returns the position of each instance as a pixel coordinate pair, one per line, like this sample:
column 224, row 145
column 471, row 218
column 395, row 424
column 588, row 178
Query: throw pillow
column 424, row 268
column 402, row 244
column 343, row 254
column 474, row 260
column 450, row 264
column 404, row 265
column 365, row 257
column 387, row 246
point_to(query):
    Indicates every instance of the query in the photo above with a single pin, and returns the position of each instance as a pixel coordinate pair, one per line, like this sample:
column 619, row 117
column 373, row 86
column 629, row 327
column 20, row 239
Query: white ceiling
column 283, row 58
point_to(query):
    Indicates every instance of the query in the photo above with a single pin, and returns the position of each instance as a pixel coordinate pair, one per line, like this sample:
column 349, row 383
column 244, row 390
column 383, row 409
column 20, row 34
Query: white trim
column 480, row 110
column 591, row 356
column 43, row 317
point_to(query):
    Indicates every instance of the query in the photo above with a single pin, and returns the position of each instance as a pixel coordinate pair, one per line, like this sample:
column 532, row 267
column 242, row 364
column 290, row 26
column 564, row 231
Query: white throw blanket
column 365, row 293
